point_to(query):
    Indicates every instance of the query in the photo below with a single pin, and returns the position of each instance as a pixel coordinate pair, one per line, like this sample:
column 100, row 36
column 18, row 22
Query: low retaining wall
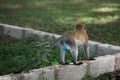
column 102, row 64
column 20, row 32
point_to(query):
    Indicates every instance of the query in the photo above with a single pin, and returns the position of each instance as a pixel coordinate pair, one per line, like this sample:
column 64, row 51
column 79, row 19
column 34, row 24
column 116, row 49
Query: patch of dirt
column 7, row 39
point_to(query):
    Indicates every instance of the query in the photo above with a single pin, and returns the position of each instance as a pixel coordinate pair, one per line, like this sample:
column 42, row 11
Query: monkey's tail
column 53, row 45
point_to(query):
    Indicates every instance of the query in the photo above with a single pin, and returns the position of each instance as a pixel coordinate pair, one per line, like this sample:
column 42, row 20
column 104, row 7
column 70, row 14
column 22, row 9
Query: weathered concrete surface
column 1, row 29
column 5, row 77
column 37, row 74
column 60, row 72
column 102, row 64
column 40, row 34
column 117, row 61
column 13, row 31
column 103, row 49
column 70, row 72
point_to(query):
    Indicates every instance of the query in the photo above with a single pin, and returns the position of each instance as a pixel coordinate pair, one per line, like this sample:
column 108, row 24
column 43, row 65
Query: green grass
column 101, row 17
column 14, row 54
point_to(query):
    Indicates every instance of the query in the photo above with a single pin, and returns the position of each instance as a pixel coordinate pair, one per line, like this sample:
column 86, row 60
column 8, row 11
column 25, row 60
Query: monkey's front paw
column 78, row 63
column 66, row 63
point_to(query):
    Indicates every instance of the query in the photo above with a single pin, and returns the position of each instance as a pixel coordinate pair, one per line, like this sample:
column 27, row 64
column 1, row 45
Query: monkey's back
column 78, row 35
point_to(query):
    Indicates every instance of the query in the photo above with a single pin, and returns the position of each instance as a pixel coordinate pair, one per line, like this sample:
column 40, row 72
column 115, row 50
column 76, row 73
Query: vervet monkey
column 71, row 40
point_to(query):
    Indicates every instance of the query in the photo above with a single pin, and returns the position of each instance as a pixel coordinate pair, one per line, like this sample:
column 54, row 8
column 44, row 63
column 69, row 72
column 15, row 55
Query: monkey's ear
column 79, row 26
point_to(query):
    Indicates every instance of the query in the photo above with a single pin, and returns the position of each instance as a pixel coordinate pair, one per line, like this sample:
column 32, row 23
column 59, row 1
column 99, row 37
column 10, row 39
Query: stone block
column 37, row 74
column 117, row 61
column 102, row 64
column 13, row 31
column 93, row 47
column 5, row 77
column 108, row 49
column 40, row 34
column 1, row 29
column 70, row 72
column 103, row 49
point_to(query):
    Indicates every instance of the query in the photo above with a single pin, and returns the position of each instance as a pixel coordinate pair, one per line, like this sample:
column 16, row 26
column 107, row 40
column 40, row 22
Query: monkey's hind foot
column 78, row 63
column 91, row 59
column 66, row 63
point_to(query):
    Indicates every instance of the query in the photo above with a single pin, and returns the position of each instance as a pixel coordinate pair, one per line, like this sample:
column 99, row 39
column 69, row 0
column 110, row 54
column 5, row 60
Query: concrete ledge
column 37, row 74
column 14, row 31
column 6, row 77
column 102, row 64
column 70, row 72
column 117, row 61
column 19, row 32
column 60, row 72
column 103, row 49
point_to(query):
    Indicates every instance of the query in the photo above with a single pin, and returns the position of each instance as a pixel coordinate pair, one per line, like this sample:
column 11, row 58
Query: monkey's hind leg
column 75, row 55
column 86, row 51
column 62, row 58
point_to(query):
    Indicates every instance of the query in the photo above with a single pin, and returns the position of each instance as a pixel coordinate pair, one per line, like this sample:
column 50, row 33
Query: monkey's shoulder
column 79, row 36
column 75, row 33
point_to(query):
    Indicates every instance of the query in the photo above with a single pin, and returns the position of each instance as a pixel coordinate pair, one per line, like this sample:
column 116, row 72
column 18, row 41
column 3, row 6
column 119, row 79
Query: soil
column 7, row 39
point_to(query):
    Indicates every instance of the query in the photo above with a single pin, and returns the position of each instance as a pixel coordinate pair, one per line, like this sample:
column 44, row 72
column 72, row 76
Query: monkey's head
column 79, row 27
